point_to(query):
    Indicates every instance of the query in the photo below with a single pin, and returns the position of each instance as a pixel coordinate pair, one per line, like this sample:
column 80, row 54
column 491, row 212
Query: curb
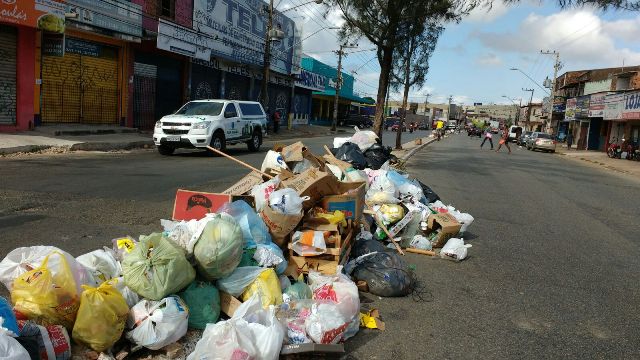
column 25, row 149
column 416, row 149
column 86, row 146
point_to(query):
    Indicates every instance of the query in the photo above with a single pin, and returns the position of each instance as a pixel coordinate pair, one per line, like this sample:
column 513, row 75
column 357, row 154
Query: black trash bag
column 351, row 153
column 377, row 155
column 428, row 193
column 385, row 273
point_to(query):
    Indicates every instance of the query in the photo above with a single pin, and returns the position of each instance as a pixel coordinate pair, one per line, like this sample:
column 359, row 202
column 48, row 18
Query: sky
column 473, row 58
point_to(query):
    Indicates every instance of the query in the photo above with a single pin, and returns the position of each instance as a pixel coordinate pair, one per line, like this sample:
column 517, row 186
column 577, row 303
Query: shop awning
column 332, row 93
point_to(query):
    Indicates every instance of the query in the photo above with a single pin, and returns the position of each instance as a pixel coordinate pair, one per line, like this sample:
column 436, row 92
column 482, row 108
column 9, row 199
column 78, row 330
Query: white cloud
column 488, row 13
column 581, row 37
column 489, row 59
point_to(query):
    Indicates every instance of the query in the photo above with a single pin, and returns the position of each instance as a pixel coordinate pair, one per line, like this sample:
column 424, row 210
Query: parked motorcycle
column 615, row 150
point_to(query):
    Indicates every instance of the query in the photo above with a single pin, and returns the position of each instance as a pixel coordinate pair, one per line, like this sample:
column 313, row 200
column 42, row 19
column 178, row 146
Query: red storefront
column 19, row 23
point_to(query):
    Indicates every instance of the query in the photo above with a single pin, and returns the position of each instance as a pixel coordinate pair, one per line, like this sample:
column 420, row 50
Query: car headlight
column 201, row 125
column 158, row 124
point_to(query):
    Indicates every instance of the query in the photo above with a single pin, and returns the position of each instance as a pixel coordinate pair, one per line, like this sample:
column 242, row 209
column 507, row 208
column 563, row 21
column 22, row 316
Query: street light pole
column 556, row 68
column 529, row 107
column 340, row 53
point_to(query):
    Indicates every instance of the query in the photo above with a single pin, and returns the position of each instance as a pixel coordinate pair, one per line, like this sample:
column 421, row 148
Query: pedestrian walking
column 504, row 140
column 569, row 140
column 487, row 136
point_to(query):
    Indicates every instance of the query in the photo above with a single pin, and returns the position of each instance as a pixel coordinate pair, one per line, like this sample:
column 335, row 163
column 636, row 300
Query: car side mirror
column 228, row 114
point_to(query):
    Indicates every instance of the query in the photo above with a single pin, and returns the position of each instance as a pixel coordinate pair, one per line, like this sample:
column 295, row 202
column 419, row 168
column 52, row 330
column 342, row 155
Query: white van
column 513, row 132
column 216, row 123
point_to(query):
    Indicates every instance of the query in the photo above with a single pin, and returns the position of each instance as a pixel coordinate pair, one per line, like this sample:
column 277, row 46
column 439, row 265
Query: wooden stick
column 384, row 228
column 239, row 162
column 420, row 251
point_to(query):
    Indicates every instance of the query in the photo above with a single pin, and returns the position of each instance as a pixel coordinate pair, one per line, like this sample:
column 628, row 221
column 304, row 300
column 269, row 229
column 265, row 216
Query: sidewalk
column 600, row 159
column 74, row 137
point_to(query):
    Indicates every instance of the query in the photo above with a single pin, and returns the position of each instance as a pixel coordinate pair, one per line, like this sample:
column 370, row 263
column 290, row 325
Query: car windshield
column 543, row 136
column 201, row 108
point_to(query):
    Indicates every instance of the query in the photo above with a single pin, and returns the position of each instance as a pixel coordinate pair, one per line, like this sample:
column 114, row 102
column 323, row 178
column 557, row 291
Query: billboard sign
column 631, row 105
column 596, row 105
column 613, row 107
column 47, row 15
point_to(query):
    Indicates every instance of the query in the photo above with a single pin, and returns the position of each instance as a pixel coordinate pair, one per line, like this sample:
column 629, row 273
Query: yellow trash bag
column 267, row 286
column 47, row 294
column 101, row 317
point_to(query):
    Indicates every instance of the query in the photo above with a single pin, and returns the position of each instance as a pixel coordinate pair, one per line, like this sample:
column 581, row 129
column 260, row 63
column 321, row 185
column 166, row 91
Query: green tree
column 411, row 61
column 381, row 21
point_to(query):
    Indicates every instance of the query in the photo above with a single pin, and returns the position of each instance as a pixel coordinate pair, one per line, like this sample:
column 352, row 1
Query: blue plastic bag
column 254, row 230
column 8, row 317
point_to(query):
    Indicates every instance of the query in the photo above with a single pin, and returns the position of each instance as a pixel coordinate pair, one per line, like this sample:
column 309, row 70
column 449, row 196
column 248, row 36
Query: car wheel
column 166, row 150
column 256, row 141
column 217, row 142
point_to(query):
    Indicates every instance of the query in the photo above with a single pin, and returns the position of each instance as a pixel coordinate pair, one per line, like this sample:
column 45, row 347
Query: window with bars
column 167, row 8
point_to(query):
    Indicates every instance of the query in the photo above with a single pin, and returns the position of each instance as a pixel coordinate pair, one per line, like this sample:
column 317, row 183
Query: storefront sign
column 596, row 105
column 52, row 44
column 243, row 70
column 559, row 104
column 81, row 47
column 582, row 106
column 570, row 110
column 47, row 15
column 181, row 40
column 239, row 26
column 631, row 106
column 309, row 80
column 115, row 15
column 613, row 107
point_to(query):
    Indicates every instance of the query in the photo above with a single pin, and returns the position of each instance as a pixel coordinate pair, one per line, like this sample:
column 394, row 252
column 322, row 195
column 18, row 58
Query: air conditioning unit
column 276, row 35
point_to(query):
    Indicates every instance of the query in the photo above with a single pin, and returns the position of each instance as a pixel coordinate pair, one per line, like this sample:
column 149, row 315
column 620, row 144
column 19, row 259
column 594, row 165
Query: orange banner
column 47, row 15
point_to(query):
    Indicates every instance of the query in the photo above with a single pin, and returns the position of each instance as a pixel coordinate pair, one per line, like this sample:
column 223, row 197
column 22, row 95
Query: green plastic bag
column 156, row 268
column 219, row 248
column 298, row 291
column 203, row 300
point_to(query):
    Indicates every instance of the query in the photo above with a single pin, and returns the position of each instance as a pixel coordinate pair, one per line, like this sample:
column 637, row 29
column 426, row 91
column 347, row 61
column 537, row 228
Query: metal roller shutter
column 8, row 41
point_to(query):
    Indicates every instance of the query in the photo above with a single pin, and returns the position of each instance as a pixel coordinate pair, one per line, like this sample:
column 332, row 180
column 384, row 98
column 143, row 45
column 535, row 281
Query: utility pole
column 529, row 106
column 556, row 67
column 340, row 53
column 426, row 102
column 449, row 108
column 264, row 92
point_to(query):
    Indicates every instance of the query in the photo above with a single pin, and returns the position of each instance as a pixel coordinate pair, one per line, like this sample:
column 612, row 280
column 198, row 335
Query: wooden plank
column 420, row 251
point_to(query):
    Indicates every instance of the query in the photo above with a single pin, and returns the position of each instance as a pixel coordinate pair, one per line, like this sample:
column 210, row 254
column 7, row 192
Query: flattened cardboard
column 313, row 183
column 280, row 225
column 293, row 152
column 228, row 303
column 351, row 200
column 449, row 225
column 402, row 223
column 245, row 184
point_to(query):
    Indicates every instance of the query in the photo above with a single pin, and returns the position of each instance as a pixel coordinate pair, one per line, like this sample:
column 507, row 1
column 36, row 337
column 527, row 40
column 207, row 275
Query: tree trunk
column 405, row 96
column 385, row 70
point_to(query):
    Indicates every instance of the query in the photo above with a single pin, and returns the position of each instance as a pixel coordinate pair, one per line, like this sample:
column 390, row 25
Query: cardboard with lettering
column 245, row 184
column 280, row 225
column 194, row 205
column 448, row 224
column 313, row 183
column 348, row 198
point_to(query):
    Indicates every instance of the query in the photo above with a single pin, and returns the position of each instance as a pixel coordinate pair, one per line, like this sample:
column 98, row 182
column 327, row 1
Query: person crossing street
column 504, row 140
column 487, row 136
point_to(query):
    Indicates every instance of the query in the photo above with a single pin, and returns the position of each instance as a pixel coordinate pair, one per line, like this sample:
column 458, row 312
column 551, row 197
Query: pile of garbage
column 271, row 266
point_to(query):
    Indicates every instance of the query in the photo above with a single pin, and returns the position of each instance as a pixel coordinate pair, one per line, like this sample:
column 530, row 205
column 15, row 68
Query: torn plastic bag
column 157, row 324
column 101, row 317
column 157, row 267
column 254, row 230
column 455, row 249
column 364, row 139
column 325, row 325
column 273, row 160
column 219, row 249
column 23, row 259
column 262, row 192
column 377, row 155
column 102, row 264
column 10, row 349
column 297, row 291
column 386, row 273
column 8, row 322
column 381, row 190
column 185, row 233
column 48, row 294
column 287, row 201
column 352, row 154
column 239, row 279
column 406, row 188
column 267, row 286
column 203, row 301
column 270, row 255
column 251, row 333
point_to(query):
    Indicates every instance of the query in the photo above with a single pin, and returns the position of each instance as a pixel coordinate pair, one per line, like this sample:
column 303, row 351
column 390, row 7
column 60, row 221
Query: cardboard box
column 293, row 152
column 312, row 348
column 228, row 303
column 327, row 264
column 313, row 183
column 245, row 184
column 280, row 225
column 190, row 205
column 351, row 202
column 449, row 225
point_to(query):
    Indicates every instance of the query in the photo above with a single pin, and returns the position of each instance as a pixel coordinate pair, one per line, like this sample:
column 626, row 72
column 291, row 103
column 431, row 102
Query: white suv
column 216, row 123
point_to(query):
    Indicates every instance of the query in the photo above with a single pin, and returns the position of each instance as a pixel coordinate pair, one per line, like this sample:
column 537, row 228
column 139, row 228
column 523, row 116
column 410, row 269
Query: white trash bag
column 10, row 349
column 21, row 260
column 364, row 139
column 455, row 249
column 157, row 324
column 251, row 333
column 287, row 201
column 262, row 192
column 130, row 297
column 421, row 242
column 102, row 264
column 273, row 160
column 339, row 141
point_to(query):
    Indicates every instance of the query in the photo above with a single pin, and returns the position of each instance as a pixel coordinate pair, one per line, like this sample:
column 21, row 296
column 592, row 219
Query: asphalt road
column 553, row 269
column 552, row 273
